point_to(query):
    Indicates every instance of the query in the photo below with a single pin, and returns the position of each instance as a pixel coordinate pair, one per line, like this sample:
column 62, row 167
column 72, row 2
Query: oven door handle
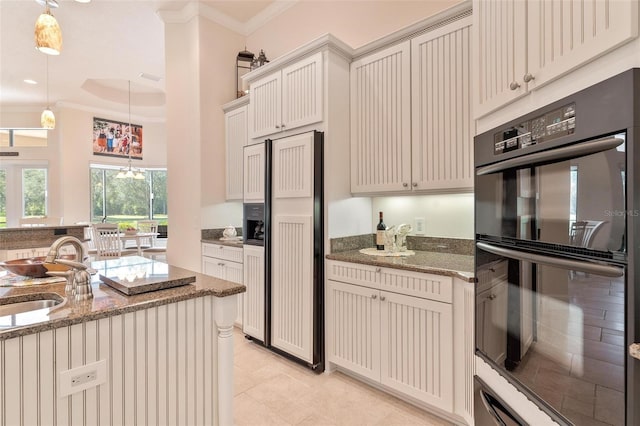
column 573, row 265
column 552, row 155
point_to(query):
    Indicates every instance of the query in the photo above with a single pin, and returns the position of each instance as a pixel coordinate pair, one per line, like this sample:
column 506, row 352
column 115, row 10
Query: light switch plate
column 420, row 223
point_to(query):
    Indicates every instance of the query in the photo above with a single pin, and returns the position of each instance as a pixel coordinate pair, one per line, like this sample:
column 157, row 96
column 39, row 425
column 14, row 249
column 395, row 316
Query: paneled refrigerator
column 283, row 244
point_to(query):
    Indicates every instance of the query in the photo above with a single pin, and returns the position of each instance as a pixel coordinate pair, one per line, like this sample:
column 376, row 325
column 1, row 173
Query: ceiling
column 107, row 44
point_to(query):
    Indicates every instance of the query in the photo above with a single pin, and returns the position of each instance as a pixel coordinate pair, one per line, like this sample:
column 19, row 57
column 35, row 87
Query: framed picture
column 113, row 138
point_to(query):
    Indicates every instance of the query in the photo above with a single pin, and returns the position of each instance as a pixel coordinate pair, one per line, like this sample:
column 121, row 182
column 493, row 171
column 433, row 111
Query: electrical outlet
column 88, row 377
column 82, row 378
column 420, row 230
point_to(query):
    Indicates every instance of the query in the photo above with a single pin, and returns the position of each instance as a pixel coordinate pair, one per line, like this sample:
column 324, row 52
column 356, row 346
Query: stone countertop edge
column 108, row 302
column 452, row 265
column 237, row 244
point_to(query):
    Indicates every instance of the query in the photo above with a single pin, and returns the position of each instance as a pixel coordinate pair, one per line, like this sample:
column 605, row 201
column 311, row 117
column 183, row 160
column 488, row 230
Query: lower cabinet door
column 353, row 328
column 417, row 348
column 253, row 301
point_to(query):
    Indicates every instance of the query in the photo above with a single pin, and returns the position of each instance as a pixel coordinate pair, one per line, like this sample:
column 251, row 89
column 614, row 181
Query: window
column 23, row 190
column 128, row 200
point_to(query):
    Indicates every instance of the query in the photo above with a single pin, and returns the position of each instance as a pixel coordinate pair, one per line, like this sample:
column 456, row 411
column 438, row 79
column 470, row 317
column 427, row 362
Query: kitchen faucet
column 78, row 278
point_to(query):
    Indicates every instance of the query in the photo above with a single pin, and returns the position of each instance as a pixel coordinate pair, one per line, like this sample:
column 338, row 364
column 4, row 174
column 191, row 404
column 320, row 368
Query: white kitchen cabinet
column 441, row 116
column 288, row 98
column 254, row 173
column 464, row 348
column 253, row 314
column 381, row 121
column 523, row 45
column 236, row 137
column 402, row 341
column 224, row 262
column 410, row 114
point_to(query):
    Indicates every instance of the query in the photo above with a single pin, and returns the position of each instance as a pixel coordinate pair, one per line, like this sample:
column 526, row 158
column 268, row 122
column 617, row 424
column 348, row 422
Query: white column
column 225, row 314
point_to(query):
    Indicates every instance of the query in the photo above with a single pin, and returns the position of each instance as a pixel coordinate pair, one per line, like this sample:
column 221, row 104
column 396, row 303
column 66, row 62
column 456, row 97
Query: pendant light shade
column 47, row 119
column 48, row 36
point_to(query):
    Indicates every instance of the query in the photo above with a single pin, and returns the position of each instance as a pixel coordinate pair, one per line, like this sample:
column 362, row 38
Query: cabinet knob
column 528, row 77
column 374, row 296
column 378, row 270
column 492, row 296
column 282, row 125
column 514, row 85
column 277, row 127
column 383, row 298
column 414, row 184
column 405, row 184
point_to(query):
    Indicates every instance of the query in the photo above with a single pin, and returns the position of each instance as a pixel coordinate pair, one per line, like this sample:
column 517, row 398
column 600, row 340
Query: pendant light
column 130, row 172
column 48, row 36
column 47, row 119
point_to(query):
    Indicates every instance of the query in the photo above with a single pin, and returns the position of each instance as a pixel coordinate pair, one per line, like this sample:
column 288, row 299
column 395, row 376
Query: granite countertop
column 108, row 302
column 229, row 243
column 447, row 264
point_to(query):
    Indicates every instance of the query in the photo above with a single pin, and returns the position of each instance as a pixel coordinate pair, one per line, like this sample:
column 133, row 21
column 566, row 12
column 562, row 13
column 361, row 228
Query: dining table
column 138, row 237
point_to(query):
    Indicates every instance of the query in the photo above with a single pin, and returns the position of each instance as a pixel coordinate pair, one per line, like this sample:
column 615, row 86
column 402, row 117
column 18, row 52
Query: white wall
column 69, row 153
column 445, row 215
column 354, row 22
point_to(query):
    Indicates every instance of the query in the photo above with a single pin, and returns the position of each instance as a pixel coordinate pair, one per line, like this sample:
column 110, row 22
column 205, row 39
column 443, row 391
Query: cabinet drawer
column 418, row 284
column 219, row 251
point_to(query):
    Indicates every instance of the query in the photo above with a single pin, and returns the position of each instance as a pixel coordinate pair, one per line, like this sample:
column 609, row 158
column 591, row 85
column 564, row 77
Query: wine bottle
column 380, row 234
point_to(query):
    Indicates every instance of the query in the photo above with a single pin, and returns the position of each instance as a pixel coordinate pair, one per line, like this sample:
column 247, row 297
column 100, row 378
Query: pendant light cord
column 47, row 79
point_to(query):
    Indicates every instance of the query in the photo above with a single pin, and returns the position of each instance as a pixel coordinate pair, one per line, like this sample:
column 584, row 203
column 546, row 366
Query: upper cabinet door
column 236, row 138
column 302, row 92
column 254, row 173
column 500, row 52
column 381, row 121
column 265, row 106
column 442, row 137
column 564, row 35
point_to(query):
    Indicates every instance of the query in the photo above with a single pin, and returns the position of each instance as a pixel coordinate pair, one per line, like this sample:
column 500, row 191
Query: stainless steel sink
column 27, row 309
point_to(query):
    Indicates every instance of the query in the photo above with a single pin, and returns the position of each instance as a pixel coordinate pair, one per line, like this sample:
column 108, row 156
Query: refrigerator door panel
column 254, row 173
column 292, row 285
column 253, row 316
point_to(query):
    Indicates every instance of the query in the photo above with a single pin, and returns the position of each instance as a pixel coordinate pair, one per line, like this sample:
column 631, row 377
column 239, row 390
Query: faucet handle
column 71, row 263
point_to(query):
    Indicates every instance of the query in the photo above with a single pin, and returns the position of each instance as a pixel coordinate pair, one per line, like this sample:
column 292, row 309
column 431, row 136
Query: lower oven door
column 555, row 327
column 490, row 409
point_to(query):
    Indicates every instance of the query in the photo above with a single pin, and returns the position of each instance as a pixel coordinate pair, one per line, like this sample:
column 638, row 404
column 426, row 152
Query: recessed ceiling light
column 149, row 76
column 83, row 1
column 29, row 81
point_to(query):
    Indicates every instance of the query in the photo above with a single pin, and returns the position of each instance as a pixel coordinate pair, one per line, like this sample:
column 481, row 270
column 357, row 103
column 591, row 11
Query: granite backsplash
column 437, row 244
column 216, row 233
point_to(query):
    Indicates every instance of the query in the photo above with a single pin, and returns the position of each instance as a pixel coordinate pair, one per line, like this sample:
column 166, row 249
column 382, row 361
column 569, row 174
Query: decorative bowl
column 130, row 231
column 35, row 267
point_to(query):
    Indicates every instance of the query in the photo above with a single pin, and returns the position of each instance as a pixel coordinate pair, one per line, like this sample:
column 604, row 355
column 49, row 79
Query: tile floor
column 271, row 390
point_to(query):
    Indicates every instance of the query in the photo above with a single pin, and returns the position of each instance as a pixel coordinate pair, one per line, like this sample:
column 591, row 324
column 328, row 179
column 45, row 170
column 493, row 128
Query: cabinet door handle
column 382, row 298
column 528, row 77
column 405, row 184
column 514, row 85
column 374, row 296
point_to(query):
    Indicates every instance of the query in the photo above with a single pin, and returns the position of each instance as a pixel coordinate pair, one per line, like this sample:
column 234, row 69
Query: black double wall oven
column 556, row 222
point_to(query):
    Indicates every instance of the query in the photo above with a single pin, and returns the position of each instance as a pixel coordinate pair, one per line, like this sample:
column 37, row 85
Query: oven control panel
column 546, row 127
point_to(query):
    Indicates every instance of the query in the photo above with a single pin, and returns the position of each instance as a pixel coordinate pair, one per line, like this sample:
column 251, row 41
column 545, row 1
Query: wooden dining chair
column 108, row 243
column 151, row 249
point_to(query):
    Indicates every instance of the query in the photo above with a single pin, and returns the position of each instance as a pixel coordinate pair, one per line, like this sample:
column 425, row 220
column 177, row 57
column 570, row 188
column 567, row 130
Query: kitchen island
column 158, row 357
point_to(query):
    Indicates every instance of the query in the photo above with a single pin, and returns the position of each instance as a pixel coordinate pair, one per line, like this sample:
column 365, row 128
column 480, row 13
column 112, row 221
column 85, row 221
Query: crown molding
column 193, row 9
column 122, row 116
column 325, row 41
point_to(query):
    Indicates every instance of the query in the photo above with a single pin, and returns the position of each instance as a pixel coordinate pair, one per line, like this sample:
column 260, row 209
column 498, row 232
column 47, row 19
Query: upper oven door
column 568, row 196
